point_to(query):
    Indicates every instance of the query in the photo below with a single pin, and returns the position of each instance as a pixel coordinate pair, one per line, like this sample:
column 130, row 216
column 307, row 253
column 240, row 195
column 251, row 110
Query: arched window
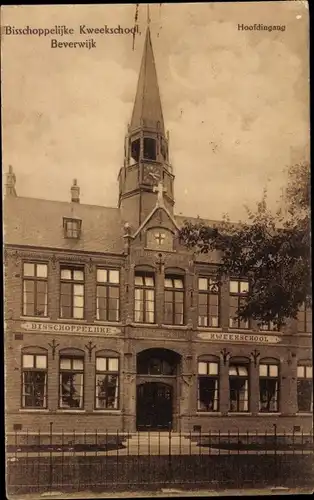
column 208, row 383
column 34, row 377
column 71, row 367
column 107, row 380
column 157, row 362
column 269, row 385
column 305, row 386
column 239, row 384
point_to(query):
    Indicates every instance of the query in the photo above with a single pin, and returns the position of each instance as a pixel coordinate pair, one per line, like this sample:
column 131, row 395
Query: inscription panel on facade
column 249, row 338
column 70, row 328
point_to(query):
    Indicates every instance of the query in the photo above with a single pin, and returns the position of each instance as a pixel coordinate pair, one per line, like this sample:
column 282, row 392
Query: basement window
column 72, row 228
column 149, row 148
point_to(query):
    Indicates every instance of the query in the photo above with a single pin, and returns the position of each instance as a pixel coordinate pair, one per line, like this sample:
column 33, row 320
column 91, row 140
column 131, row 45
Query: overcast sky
column 236, row 103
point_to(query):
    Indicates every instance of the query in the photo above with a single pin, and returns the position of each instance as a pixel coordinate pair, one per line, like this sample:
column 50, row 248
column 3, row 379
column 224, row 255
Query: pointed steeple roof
column 147, row 111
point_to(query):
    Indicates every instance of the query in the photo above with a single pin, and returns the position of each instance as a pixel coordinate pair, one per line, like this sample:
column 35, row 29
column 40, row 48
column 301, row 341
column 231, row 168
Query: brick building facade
column 111, row 321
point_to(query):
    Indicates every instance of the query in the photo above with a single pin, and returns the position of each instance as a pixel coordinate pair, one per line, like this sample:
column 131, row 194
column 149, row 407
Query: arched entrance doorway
column 157, row 390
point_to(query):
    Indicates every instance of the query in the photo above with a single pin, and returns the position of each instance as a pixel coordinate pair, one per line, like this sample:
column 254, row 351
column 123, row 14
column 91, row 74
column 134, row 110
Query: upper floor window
column 268, row 386
column 208, row 302
column 238, row 292
column 72, row 293
column 268, row 326
column 208, row 385
column 239, row 387
column 107, row 383
column 305, row 387
column 35, row 284
column 34, row 380
column 72, row 228
column 71, row 381
column 144, row 303
column 108, row 294
column 174, row 300
column 305, row 319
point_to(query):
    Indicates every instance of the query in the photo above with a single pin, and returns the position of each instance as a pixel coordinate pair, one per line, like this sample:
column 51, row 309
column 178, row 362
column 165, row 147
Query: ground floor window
column 71, row 382
column 208, row 382
column 238, row 388
column 34, row 385
column 305, row 388
column 268, row 387
column 107, row 383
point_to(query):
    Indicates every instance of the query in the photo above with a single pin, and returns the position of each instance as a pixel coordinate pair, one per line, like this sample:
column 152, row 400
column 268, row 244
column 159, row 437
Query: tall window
column 108, row 294
column 208, row 383
column 174, row 301
column 144, row 304
column 239, row 387
column 34, row 384
column 72, row 293
column 71, row 382
column 35, row 289
column 268, row 387
column 208, row 302
column 305, row 319
column 107, row 383
column 238, row 292
column 305, row 388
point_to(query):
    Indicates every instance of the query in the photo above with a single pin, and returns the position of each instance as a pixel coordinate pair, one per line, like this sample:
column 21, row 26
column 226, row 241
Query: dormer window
column 72, row 228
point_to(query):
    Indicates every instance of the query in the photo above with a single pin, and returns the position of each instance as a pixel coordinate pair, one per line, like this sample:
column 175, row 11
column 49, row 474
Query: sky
column 235, row 102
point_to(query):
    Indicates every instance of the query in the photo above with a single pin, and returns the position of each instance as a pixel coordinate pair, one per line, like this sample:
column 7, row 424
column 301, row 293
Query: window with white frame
column 107, row 383
column 238, row 291
column 208, row 302
column 238, row 387
column 305, row 387
column 108, row 294
column 35, row 289
column 72, row 228
column 34, row 380
column 174, row 300
column 71, row 382
column 268, row 326
column 268, row 387
column 144, row 303
column 72, row 293
column 208, row 386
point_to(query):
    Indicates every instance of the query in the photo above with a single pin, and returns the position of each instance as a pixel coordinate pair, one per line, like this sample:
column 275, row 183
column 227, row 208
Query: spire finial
column 148, row 16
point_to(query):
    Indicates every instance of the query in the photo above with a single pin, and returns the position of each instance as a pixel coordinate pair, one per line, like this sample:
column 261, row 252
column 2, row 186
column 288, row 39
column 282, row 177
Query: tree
column 271, row 250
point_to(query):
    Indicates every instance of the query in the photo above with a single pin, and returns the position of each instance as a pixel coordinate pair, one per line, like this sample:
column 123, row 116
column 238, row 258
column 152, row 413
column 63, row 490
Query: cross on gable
column 160, row 190
column 159, row 237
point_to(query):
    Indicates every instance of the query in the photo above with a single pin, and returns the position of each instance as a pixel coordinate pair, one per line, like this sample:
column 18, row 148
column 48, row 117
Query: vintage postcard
column 157, row 270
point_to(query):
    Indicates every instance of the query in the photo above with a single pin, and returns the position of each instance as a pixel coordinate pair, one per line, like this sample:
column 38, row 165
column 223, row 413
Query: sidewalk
column 168, row 492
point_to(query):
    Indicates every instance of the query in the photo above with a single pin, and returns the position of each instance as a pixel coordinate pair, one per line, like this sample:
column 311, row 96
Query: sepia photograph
column 157, row 250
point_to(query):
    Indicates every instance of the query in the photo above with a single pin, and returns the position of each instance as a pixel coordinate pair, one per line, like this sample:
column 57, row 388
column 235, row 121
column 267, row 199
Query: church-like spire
column 147, row 111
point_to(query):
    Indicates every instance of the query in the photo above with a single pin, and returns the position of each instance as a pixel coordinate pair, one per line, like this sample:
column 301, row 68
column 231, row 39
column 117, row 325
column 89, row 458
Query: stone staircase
column 158, row 443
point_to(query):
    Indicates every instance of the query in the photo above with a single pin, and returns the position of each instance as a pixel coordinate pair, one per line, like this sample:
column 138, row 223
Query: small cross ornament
column 159, row 237
column 159, row 189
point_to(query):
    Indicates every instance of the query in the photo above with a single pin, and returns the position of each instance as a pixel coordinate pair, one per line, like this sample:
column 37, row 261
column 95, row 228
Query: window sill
column 239, row 413
column 109, row 323
column 304, row 413
column 145, row 325
column 108, row 412
column 239, row 330
column 34, row 410
column 60, row 410
column 35, row 318
column 72, row 320
column 175, row 327
column 270, row 413
column 210, row 328
column 209, row 413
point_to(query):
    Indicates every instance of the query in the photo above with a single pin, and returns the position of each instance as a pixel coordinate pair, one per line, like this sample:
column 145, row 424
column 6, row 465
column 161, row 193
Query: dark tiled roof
column 36, row 222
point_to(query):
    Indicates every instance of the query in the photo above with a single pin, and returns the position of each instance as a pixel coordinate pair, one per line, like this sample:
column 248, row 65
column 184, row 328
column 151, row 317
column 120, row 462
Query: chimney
column 75, row 192
column 11, row 181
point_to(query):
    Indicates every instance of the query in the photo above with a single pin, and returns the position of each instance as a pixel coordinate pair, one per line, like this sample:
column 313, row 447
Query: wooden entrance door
column 154, row 406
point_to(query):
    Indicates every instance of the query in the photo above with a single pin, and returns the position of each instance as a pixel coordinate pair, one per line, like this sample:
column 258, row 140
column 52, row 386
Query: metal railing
column 71, row 461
